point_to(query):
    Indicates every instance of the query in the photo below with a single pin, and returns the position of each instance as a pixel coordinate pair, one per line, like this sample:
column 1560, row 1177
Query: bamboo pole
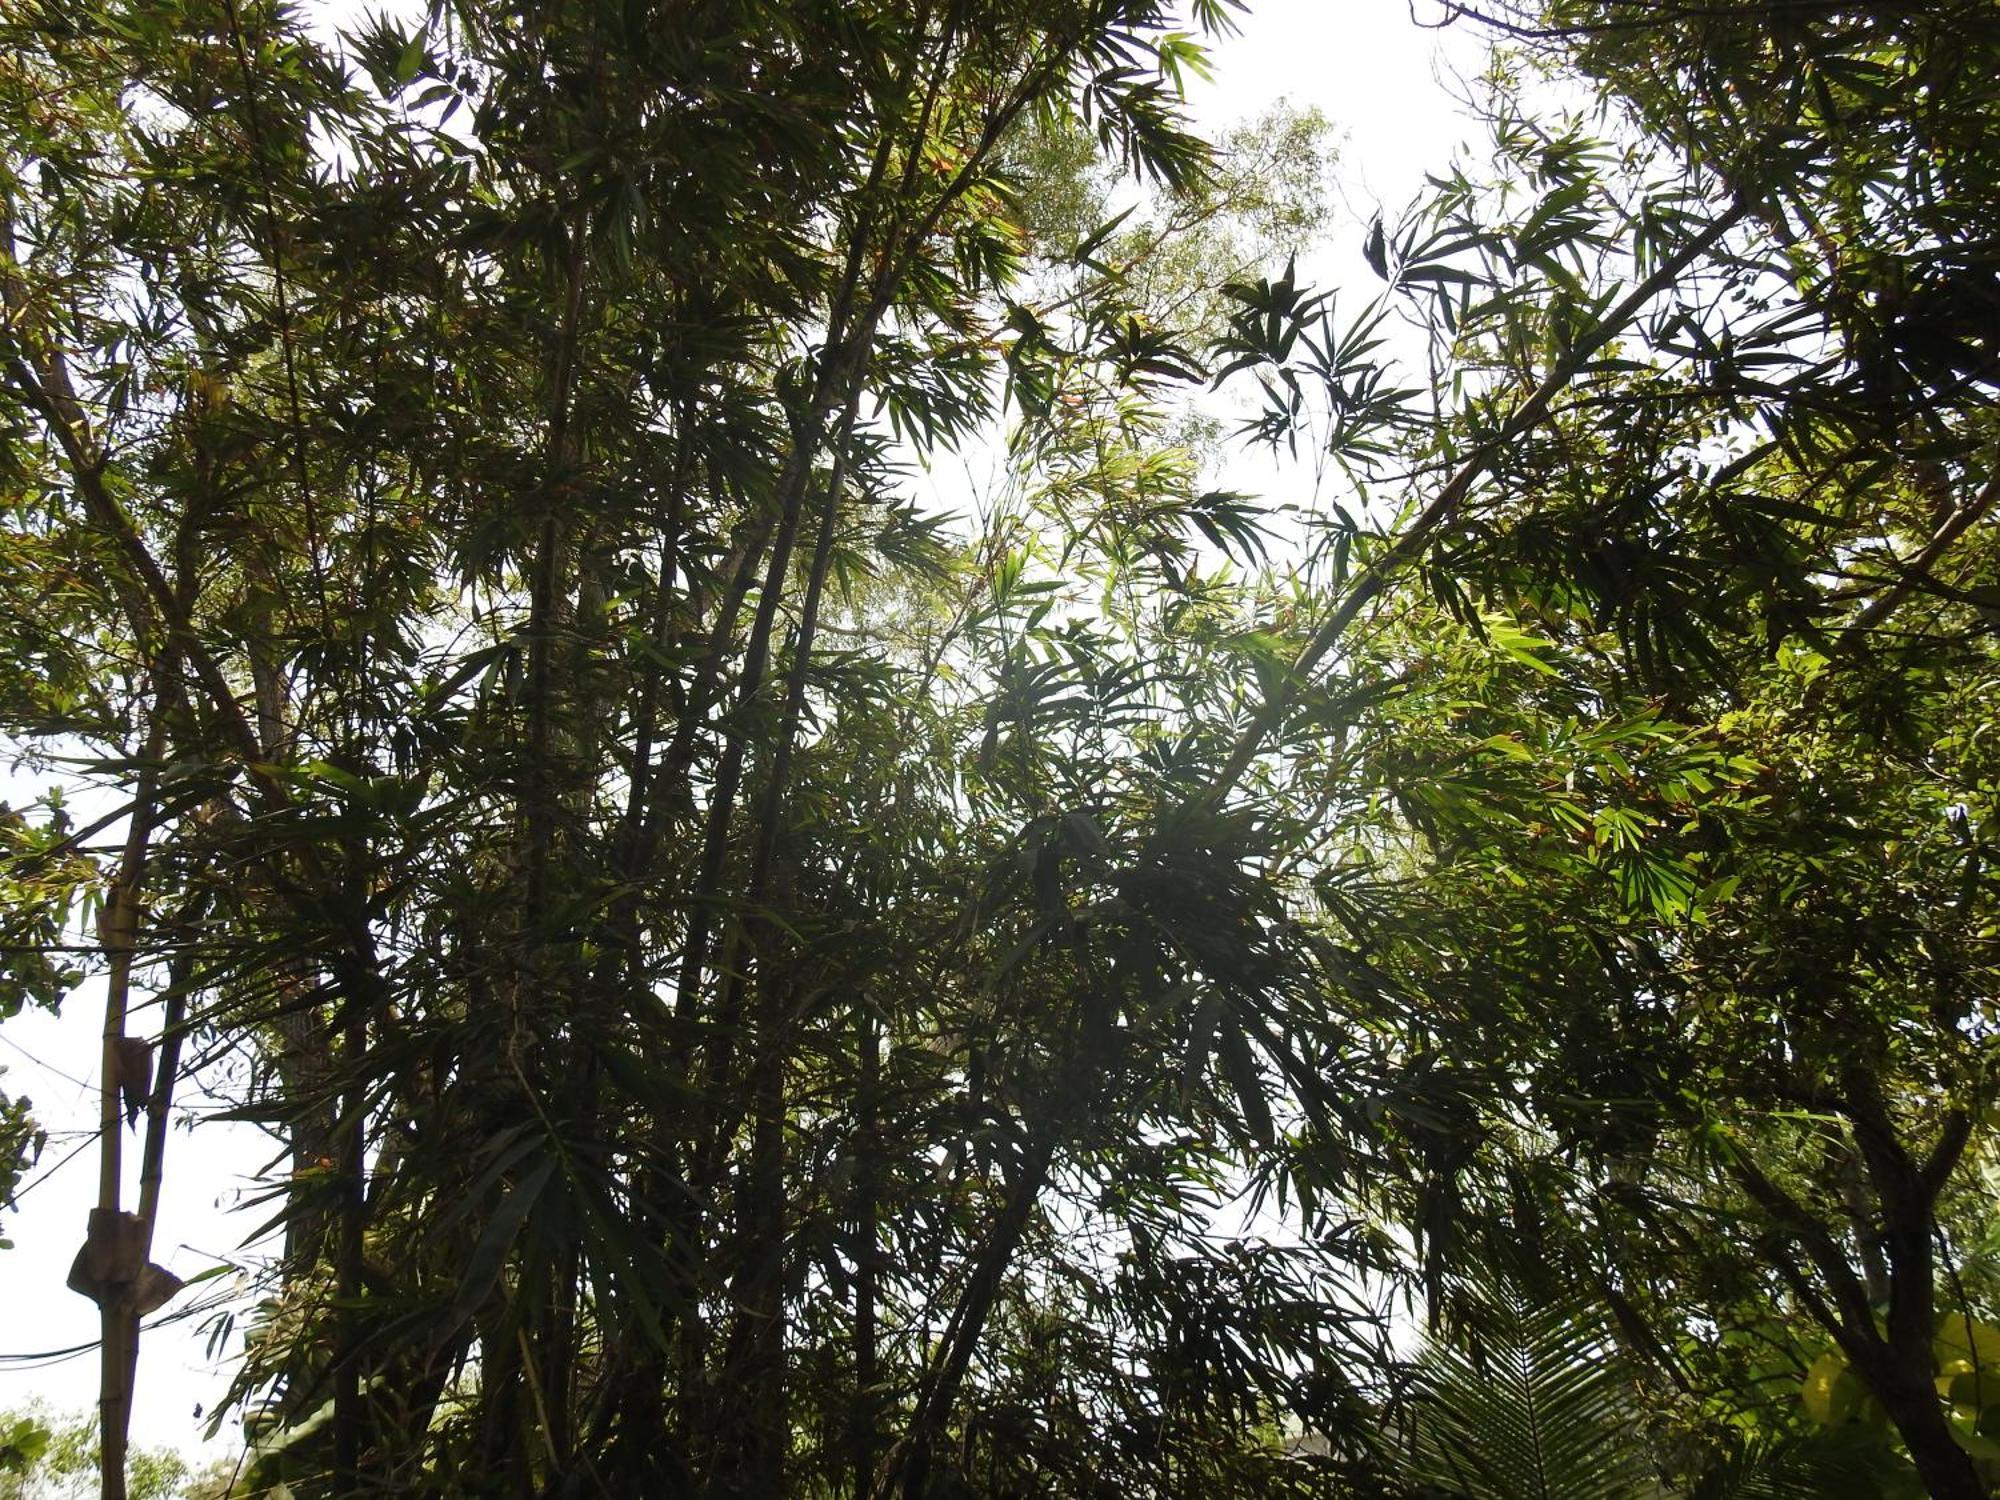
column 106, row 1247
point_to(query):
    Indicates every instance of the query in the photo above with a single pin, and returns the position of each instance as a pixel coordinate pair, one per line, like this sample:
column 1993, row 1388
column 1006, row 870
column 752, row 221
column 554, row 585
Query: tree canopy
column 1471, row 974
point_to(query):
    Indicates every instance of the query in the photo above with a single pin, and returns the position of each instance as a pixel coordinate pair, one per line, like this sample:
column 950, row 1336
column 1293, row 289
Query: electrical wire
column 46, row 1067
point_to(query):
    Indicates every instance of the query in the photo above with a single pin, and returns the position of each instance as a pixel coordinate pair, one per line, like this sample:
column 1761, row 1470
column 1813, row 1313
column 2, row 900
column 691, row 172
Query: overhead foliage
column 769, row 984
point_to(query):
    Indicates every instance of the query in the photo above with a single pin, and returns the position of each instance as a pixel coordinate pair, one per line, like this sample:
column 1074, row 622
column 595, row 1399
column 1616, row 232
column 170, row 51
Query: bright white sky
column 1388, row 85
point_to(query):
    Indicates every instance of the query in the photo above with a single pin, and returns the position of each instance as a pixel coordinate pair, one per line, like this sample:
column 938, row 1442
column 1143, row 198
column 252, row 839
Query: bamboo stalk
column 118, row 1322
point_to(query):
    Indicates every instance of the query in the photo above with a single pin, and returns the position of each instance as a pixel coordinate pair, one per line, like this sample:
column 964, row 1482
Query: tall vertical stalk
column 119, row 1254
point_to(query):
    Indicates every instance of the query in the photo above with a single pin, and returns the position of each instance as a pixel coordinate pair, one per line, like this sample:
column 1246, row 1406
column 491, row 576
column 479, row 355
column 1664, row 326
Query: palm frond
column 1530, row 1402
column 1834, row 1465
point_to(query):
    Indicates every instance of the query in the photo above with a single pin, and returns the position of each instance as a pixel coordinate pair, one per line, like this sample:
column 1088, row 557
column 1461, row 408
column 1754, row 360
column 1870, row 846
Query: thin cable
column 82, row 1146
column 45, row 1067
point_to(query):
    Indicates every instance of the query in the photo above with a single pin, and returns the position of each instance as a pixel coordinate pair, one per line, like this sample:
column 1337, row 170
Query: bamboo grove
column 770, row 984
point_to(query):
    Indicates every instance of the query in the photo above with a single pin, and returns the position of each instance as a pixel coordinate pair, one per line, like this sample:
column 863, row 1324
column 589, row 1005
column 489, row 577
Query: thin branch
column 1917, row 570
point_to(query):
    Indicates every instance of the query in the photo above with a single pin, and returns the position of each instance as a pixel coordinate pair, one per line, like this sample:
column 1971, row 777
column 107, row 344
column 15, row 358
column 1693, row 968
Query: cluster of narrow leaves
column 688, row 913
column 1675, row 820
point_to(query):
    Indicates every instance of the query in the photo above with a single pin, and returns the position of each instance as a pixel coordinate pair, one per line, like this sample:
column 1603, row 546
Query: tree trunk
column 1906, row 1391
